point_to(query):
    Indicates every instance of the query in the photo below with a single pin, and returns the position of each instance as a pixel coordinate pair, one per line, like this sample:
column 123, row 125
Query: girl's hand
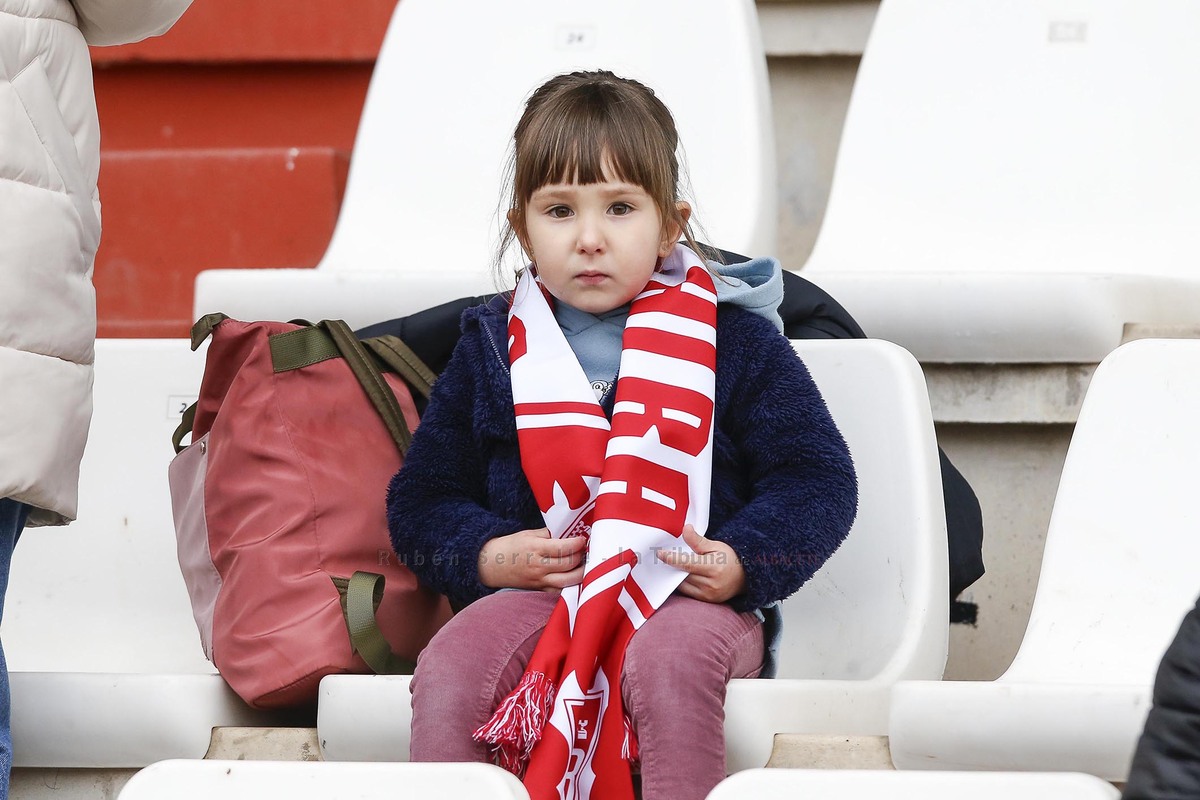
column 715, row 573
column 530, row 559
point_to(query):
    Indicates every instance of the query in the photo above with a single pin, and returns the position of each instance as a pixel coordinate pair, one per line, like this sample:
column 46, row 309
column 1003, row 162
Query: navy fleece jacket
column 784, row 491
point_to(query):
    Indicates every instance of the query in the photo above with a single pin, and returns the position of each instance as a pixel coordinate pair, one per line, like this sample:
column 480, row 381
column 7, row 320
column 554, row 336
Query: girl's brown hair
column 577, row 125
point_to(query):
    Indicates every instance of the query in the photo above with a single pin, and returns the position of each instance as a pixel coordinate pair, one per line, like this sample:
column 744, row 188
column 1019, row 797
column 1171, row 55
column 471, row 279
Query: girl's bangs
column 585, row 151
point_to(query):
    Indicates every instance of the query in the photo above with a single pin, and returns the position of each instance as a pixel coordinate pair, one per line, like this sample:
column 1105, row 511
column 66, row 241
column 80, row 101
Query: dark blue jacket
column 1166, row 763
column 784, row 491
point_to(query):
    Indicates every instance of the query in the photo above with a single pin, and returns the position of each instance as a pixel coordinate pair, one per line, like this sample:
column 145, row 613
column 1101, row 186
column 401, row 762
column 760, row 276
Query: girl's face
column 595, row 245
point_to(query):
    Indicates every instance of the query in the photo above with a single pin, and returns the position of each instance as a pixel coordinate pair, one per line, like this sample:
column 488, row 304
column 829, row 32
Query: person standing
column 49, row 232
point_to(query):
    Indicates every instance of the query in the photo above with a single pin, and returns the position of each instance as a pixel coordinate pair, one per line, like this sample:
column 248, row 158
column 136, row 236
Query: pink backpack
column 279, row 506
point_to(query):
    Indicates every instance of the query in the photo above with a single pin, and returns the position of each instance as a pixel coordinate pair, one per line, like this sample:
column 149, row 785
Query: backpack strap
column 200, row 331
column 332, row 338
column 184, row 427
column 361, row 595
column 393, row 352
column 204, row 328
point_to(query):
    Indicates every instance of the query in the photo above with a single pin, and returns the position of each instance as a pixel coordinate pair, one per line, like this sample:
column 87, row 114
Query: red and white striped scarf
column 631, row 487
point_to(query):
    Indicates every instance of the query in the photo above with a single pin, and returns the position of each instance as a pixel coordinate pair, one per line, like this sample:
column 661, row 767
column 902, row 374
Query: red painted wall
column 225, row 143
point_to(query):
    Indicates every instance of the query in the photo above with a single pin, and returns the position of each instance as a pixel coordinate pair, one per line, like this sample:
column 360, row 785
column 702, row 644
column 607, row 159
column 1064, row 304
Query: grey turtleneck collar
column 595, row 339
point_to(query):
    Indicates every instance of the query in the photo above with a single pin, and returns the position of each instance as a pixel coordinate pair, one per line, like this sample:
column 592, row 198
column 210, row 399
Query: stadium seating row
column 130, row 685
column 978, row 214
column 108, row 670
column 246, row 780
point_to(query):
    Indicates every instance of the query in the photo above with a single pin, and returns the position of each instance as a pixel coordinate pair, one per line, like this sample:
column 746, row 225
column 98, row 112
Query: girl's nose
column 591, row 235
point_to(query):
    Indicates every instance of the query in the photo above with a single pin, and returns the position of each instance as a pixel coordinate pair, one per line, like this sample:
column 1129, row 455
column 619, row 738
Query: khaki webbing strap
column 371, row 380
column 328, row 339
column 404, row 362
column 204, row 328
column 364, row 592
column 185, row 427
column 302, row 347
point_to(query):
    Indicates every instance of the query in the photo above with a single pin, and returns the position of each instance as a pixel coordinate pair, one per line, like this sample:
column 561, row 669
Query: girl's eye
column 620, row 209
column 559, row 212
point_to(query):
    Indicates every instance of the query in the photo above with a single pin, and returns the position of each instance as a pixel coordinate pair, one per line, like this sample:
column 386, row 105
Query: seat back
column 449, row 85
column 105, row 594
column 318, row 780
column 1021, row 135
column 1119, row 569
column 851, row 784
column 878, row 608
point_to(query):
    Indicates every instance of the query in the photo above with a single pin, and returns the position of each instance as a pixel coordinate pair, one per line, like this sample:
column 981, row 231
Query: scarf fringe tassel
column 517, row 724
column 629, row 747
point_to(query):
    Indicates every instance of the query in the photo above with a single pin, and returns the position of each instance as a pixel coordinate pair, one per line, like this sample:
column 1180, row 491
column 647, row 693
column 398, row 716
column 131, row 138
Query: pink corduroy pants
column 673, row 684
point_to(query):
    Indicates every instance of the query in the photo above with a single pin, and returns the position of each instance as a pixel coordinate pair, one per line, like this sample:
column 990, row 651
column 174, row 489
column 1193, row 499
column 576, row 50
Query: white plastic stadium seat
column 107, row 669
column 828, row 784
column 317, row 780
column 1013, row 184
column 1118, row 575
column 419, row 221
column 875, row 613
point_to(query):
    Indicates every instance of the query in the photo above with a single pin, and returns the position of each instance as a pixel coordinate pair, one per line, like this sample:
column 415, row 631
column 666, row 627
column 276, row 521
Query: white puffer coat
column 49, row 229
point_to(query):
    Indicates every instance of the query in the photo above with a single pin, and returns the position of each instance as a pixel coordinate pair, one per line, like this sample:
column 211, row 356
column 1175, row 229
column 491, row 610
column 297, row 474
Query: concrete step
column 811, row 751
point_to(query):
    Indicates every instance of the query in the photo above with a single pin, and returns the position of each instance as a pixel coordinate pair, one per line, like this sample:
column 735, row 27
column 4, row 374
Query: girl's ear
column 517, row 222
column 673, row 228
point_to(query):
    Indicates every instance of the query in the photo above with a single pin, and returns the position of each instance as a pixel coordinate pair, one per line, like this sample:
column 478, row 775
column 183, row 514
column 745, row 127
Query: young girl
column 623, row 466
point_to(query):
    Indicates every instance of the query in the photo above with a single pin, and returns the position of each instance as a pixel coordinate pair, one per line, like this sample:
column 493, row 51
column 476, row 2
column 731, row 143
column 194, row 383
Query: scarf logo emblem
column 583, row 719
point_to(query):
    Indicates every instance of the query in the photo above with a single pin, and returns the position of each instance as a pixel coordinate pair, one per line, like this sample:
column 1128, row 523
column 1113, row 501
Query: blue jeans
column 12, row 520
